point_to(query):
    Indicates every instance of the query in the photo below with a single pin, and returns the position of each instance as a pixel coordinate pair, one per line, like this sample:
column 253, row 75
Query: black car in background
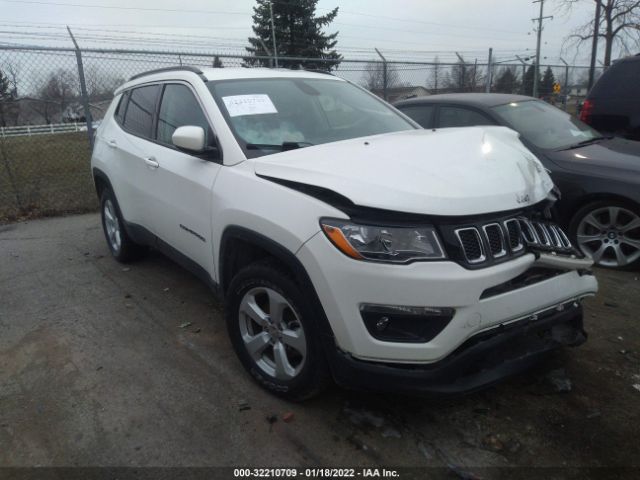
column 599, row 177
column 613, row 104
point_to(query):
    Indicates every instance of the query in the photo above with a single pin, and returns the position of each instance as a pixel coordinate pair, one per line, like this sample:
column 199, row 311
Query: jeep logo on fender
column 524, row 198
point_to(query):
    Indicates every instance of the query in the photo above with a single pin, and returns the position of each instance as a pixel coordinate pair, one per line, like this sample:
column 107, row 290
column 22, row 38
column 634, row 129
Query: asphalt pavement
column 103, row 364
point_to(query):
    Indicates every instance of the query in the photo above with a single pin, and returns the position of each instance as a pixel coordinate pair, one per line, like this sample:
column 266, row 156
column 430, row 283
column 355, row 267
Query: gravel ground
column 106, row 365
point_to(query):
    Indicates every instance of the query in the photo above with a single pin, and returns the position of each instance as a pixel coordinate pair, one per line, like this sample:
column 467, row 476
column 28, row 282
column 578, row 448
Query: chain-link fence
column 51, row 99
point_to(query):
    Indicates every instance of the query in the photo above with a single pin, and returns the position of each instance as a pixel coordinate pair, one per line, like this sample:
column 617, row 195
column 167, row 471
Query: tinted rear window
column 621, row 80
column 461, row 117
column 138, row 118
column 423, row 114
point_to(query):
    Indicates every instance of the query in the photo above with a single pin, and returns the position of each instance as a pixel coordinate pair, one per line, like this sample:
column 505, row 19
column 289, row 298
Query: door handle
column 151, row 162
column 112, row 143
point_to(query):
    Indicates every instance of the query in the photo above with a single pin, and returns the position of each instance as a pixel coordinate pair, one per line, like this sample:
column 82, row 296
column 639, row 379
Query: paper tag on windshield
column 256, row 104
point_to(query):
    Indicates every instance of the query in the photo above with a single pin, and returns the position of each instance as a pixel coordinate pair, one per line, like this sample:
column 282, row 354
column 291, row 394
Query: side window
column 178, row 108
column 461, row 117
column 138, row 118
column 423, row 114
column 121, row 108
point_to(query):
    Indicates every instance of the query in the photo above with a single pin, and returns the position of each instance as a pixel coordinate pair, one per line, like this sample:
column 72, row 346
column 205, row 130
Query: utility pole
column 266, row 49
column 489, row 72
column 273, row 35
column 594, row 46
column 566, row 82
column 436, row 75
column 524, row 73
column 540, row 19
column 463, row 70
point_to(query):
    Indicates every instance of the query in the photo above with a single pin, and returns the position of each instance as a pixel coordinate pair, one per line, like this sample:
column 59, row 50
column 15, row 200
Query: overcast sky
column 418, row 29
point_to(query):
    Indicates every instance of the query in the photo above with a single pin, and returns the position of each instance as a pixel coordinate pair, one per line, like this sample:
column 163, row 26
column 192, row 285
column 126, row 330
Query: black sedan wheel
column 608, row 232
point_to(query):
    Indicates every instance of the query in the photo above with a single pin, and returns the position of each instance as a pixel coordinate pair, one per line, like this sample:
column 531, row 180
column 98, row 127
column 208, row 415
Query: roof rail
column 317, row 70
column 185, row 68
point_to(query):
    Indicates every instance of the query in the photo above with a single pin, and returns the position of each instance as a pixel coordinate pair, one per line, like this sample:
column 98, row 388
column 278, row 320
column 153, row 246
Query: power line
column 229, row 12
column 116, row 7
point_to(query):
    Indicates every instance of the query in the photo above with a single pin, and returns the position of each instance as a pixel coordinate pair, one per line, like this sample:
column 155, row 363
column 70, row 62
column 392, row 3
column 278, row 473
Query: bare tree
column 9, row 106
column 436, row 77
column 100, row 83
column 373, row 77
column 55, row 94
column 465, row 77
column 618, row 26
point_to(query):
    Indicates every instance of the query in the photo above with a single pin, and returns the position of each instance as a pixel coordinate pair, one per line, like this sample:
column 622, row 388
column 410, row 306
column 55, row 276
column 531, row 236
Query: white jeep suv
column 347, row 243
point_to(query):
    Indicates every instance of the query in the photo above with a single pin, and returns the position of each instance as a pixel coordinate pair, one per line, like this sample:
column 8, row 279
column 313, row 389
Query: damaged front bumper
column 481, row 361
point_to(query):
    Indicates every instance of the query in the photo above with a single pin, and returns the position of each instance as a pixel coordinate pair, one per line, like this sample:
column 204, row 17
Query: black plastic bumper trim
column 480, row 362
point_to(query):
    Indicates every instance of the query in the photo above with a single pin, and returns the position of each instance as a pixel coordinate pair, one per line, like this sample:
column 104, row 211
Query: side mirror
column 189, row 138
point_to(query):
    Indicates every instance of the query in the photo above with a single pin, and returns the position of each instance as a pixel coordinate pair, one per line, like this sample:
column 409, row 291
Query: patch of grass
column 45, row 175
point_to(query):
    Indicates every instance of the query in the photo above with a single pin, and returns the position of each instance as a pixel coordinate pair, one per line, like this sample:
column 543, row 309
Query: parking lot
column 102, row 364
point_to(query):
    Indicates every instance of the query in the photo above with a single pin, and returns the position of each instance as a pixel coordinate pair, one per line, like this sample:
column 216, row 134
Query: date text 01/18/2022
column 315, row 473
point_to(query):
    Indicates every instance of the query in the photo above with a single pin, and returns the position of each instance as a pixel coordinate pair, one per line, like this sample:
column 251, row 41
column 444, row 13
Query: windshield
column 269, row 115
column 545, row 126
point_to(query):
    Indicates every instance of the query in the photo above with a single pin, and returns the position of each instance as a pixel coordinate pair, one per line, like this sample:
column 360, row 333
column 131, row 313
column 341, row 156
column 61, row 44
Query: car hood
column 456, row 171
column 612, row 158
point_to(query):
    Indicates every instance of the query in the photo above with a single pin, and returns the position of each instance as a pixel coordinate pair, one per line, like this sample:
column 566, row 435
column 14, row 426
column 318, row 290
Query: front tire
column 608, row 231
column 274, row 332
column 122, row 248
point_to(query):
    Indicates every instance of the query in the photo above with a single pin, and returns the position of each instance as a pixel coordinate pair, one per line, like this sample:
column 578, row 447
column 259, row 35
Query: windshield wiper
column 585, row 142
column 283, row 147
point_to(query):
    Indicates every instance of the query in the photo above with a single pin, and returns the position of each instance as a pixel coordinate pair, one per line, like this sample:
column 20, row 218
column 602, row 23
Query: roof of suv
column 212, row 74
column 238, row 72
column 477, row 99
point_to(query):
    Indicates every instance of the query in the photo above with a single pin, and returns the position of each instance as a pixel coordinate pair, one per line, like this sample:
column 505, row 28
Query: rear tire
column 122, row 248
column 275, row 333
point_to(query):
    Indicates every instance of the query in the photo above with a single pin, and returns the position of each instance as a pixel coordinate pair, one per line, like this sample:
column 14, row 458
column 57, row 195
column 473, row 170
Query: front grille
column 515, row 235
column 544, row 235
column 471, row 244
column 495, row 238
column 498, row 240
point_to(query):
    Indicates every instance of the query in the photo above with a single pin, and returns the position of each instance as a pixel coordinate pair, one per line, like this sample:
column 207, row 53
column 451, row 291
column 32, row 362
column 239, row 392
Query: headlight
column 384, row 244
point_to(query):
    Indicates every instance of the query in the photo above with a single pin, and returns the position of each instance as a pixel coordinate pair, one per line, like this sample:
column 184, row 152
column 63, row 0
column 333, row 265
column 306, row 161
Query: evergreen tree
column 546, row 84
column 529, row 75
column 217, row 63
column 507, row 82
column 298, row 33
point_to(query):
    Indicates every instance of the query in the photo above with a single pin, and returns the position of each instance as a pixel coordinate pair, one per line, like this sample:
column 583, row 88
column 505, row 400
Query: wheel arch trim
column 281, row 253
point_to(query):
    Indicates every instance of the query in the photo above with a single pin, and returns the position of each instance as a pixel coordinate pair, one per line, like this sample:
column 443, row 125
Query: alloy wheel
column 610, row 235
column 112, row 226
column 272, row 333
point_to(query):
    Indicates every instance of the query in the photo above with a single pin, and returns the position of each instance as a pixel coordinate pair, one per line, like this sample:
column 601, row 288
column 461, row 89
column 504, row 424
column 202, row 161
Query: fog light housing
column 397, row 323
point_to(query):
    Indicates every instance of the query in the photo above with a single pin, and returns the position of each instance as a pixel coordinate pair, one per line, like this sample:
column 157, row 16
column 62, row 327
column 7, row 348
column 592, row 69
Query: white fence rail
column 29, row 130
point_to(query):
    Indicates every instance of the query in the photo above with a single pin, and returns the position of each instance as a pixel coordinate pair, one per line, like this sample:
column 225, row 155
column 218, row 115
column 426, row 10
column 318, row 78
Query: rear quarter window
column 621, row 80
column 422, row 114
column 450, row 116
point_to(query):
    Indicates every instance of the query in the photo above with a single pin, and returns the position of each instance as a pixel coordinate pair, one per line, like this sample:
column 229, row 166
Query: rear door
column 179, row 184
column 130, row 141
